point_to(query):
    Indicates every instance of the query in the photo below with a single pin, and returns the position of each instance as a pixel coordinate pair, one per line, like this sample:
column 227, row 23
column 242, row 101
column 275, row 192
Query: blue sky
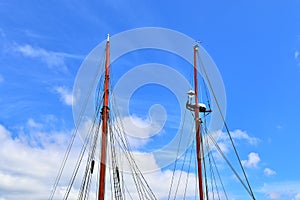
column 255, row 44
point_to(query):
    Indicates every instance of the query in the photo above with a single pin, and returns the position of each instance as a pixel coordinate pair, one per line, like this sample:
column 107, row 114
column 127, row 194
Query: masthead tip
column 107, row 37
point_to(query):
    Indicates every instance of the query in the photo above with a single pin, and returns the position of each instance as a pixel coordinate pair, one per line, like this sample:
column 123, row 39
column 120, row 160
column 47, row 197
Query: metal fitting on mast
column 196, row 47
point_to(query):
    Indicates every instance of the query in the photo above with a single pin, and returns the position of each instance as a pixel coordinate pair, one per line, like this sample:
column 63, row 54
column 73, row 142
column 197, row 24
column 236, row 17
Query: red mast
column 198, row 131
column 105, row 111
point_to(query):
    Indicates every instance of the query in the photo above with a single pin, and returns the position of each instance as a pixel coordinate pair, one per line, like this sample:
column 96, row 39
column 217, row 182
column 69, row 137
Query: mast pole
column 105, row 111
column 198, row 131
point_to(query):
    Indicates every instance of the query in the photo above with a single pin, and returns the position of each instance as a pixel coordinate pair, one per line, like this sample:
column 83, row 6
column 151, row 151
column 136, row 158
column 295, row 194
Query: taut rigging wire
column 226, row 126
column 177, row 154
column 80, row 158
column 229, row 164
column 74, row 133
column 211, row 158
column 212, row 174
column 139, row 179
column 188, row 171
column 85, row 186
column 204, row 163
column 181, row 171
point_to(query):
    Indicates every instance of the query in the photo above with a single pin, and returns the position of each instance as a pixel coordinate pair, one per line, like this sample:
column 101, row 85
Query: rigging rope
column 226, row 126
column 188, row 171
column 177, row 154
column 196, row 182
column 80, row 158
column 204, row 164
column 67, row 153
column 223, row 188
column 83, row 149
column 229, row 164
column 140, row 182
column 181, row 171
column 212, row 175
column 85, row 186
column 115, row 169
column 211, row 158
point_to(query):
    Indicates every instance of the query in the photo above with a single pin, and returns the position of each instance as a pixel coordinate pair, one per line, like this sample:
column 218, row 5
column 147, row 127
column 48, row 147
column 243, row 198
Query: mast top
column 107, row 38
column 196, row 47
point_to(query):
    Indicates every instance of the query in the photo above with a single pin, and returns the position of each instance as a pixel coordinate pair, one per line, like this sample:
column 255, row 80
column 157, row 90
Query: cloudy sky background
column 256, row 46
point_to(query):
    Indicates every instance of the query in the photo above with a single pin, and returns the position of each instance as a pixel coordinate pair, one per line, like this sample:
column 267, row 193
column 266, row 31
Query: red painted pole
column 105, row 110
column 197, row 123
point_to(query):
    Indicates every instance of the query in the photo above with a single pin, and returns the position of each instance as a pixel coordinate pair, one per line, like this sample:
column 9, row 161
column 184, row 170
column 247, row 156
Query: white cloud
column 66, row 96
column 164, row 180
column 225, row 143
column 253, row 160
column 269, row 172
column 224, row 147
column 297, row 197
column 51, row 58
column 158, row 180
column 239, row 135
column 139, row 131
column 27, row 172
column 273, row 195
column 33, row 124
column 4, row 133
column 281, row 190
column 32, row 168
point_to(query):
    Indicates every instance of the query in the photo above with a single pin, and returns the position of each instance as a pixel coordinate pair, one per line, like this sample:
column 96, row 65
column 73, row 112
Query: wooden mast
column 105, row 111
column 198, row 131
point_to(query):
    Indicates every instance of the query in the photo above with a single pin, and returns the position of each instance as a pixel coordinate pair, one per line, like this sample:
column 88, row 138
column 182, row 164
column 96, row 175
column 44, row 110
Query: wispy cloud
column 66, row 95
column 282, row 190
column 139, row 131
column 297, row 56
column 253, row 160
column 239, row 134
column 297, row 197
column 33, row 34
column 273, row 195
column 51, row 58
column 269, row 172
column 23, row 166
column 33, row 124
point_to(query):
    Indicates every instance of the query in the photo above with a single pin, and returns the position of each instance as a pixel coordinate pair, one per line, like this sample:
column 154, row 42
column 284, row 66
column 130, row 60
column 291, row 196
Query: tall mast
column 198, row 131
column 105, row 111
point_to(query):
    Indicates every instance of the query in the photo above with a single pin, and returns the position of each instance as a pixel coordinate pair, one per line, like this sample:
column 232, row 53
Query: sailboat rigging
column 106, row 133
